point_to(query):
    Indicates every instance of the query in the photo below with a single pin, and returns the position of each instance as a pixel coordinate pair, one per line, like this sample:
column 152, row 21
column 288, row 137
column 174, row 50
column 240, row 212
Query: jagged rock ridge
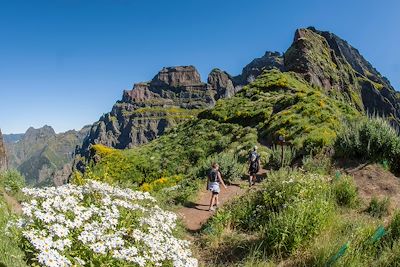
column 327, row 61
column 174, row 94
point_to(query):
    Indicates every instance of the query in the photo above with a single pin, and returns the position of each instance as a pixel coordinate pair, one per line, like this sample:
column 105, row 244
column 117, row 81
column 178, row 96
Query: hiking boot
column 212, row 209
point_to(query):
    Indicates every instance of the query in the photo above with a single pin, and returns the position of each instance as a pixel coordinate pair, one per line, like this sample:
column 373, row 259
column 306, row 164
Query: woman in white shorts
column 214, row 179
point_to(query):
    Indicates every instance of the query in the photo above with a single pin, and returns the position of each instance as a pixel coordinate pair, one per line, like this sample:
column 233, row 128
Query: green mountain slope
column 285, row 104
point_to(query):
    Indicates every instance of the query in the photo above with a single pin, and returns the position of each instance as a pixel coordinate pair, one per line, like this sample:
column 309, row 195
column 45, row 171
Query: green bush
column 379, row 207
column 230, row 167
column 12, row 181
column 394, row 226
column 371, row 139
column 287, row 230
column 345, row 191
column 275, row 159
column 320, row 163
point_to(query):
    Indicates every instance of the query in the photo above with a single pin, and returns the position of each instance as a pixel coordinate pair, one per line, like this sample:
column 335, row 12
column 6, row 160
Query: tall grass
column 345, row 191
column 290, row 209
column 372, row 139
column 281, row 156
column 10, row 253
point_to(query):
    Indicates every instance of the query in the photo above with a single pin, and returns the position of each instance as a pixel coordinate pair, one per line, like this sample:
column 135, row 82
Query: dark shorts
column 253, row 172
column 214, row 193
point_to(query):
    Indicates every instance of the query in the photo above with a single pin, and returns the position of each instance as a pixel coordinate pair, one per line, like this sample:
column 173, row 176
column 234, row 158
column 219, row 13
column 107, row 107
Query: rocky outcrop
column 329, row 62
column 3, row 157
column 174, row 86
column 174, row 94
column 269, row 61
column 222, row 83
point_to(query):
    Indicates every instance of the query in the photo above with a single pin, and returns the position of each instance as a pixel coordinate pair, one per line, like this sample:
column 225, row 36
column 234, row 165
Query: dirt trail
column 372, row 180
column 195, row 214
column 12, row 202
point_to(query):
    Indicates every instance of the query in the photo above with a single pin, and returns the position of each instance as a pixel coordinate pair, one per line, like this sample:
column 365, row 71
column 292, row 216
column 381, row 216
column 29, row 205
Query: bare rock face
column 222, row 83
column 173, row 86
column 269, row 61
column 3, row 157
column 177, row 77
column 329, row 62
column 174, row 94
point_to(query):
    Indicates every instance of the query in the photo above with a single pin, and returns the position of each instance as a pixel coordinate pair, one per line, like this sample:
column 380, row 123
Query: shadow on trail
column 197, row 206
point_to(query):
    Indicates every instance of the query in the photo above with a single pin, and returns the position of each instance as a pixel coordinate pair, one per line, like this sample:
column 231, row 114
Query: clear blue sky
column 65, row 63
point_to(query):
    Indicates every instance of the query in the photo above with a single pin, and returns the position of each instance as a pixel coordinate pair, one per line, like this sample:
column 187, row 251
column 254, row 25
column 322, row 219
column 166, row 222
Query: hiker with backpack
column 213, row 181
column 254, row 166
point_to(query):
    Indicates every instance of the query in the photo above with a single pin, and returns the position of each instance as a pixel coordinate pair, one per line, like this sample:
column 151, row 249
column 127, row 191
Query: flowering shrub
column 161, row 183
column 96, row 224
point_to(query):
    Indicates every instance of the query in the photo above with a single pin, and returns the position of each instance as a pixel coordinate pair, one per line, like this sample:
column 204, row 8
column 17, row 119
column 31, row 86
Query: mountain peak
column 177, row 76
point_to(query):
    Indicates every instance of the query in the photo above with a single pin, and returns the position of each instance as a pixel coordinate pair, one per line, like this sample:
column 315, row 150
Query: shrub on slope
column 371, row 139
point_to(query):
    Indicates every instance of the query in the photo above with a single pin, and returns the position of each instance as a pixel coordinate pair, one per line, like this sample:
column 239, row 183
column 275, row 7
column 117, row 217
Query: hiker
column 254, row 166
column 214, row 179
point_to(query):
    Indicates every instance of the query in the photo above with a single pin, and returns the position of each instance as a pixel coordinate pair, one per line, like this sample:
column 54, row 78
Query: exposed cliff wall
column 3, row 156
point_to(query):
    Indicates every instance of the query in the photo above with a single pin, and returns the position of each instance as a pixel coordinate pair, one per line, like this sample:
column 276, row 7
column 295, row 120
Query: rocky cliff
column 3, row 157
column 175, row 94
column 327, row 61
column 43, row 156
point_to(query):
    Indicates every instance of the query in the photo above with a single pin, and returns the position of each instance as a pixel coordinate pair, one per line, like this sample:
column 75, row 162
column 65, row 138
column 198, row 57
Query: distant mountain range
column 43, row 156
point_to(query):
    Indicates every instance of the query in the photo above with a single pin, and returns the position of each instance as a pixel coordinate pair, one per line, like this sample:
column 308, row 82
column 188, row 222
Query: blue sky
column 65, row 63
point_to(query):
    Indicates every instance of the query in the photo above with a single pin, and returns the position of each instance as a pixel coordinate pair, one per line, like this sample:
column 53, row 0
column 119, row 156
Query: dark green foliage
column 320, row 163
column 345, row 191
column 275, row 158
column 230, row 167
column 394, row 228
column 370, row 139
column 379, row 207
column 12, row 181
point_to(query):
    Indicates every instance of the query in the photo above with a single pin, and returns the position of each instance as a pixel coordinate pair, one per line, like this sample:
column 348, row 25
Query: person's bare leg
column 211, row 201
column 250, row 180
column 216, row 200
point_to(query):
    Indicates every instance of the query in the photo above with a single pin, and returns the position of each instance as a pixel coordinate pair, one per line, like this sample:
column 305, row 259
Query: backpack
column 213, row 176
column 254, row 161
